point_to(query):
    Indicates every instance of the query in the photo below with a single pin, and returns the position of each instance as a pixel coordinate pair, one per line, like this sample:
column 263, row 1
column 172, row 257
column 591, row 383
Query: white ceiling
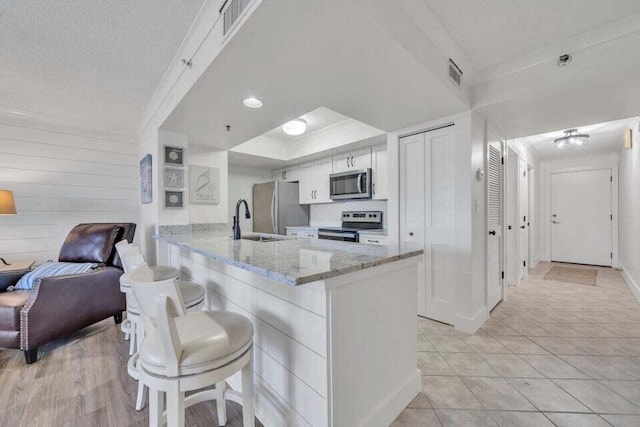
column 357, row 68
column 603, row 138
column 495, row 31
column 317, row 120
column 94, row 61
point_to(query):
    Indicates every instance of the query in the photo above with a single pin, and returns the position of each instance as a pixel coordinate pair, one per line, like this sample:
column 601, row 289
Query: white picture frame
column 173, row 178
column 204, row 185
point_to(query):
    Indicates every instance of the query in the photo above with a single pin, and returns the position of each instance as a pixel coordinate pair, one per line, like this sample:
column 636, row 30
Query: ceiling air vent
column 232, row 10
column 455, row 73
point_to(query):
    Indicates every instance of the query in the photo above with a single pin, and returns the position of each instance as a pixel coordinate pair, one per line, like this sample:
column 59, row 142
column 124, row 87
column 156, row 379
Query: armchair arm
column 59, row 306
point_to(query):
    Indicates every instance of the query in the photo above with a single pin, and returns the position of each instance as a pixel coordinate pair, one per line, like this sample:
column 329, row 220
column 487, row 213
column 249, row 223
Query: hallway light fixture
column 295, row 127
column 571, row 138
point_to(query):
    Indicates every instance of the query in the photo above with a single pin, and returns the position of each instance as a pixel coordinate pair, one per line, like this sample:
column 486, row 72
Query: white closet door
column 495, row 288
column 412, row 202
column 427, row 215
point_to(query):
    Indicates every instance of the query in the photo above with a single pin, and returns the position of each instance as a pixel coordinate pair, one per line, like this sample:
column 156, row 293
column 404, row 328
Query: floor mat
column 582, row 276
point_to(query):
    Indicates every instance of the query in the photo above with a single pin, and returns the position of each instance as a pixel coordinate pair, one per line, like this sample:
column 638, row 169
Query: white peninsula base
column 335, row 352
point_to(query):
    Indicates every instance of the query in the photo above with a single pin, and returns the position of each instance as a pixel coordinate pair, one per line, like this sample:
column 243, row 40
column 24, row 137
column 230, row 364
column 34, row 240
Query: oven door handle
column 329, row 234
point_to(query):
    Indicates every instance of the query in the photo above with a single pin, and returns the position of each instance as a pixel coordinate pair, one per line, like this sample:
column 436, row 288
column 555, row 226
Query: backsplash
column 329, row 214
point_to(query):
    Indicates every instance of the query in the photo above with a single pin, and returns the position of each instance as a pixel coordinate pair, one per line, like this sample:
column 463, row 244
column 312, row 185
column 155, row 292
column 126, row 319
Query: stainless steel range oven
column 352, row 223
column 354, row 184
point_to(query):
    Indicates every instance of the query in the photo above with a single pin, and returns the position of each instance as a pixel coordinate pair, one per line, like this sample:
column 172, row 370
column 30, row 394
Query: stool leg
column 175, row 406
column 156, row 407
column 132, row 337
column 248, row 412
column 221, row 403
column 141, row 398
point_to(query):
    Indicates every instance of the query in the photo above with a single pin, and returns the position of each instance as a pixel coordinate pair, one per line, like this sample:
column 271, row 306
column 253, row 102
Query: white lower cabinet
column 302, row 233
column 373, row 239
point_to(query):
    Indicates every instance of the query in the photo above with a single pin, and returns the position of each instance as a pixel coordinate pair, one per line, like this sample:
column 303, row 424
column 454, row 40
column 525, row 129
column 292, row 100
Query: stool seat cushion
column 209, row 339
column 160, row 272
column 192, row 295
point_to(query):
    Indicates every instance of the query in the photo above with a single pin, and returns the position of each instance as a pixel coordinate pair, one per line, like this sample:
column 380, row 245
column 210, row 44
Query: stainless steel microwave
column 355, row 184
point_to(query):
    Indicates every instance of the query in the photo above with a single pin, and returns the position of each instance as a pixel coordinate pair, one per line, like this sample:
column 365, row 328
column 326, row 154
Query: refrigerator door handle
column 273, row 211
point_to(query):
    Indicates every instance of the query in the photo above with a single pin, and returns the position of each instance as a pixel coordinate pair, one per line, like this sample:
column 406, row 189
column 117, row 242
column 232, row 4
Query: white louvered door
column 495, row 279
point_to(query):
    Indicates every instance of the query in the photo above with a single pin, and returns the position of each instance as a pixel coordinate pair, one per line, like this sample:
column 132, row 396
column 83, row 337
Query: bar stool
column 192, row 293
column 128, row 251
column 184, row 351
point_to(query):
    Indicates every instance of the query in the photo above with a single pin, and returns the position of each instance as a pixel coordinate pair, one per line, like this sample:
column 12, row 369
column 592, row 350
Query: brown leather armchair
column 59, row 306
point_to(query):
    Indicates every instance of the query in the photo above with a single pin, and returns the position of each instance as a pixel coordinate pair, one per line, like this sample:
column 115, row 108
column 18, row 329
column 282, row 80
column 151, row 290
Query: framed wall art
column 146, row 180
column 204, row 185
column 173, row 199
column 173, row 178
column 173, row 156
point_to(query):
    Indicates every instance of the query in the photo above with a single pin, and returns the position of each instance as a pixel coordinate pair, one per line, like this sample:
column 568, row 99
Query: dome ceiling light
column 252, row 102
column 295, row 127
column 571, row 138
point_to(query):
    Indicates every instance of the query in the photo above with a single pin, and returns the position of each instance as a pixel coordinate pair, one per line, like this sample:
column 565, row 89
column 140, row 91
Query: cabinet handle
column 347, row 161
column 373, row 188
column 352, row 161
column 315, row 194
column 373, row 241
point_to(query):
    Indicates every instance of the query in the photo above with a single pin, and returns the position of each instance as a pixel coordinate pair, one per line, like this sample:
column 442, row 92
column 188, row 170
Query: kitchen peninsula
column 335, row 322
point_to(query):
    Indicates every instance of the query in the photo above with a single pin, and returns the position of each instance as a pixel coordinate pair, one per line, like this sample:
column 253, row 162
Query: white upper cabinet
column 306, row 184
column 289, row 174
column 321, row 171
column 358, row 159
column 380, row 171
column 314, row 181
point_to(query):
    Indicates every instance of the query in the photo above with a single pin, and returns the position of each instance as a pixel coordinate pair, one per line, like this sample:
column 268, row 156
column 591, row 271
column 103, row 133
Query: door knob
column 510, row 227
column 522, row 226
column 492, row 232
column 411, row 233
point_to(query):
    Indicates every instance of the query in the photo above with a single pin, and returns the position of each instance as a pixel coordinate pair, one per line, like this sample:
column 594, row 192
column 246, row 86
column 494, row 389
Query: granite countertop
column 287, row 260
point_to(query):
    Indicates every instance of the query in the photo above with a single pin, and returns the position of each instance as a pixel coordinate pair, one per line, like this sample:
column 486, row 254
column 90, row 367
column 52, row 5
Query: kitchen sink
column 261, row 238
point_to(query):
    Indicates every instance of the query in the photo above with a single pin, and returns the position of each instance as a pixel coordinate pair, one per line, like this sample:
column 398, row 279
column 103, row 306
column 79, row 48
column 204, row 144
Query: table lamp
column 7, row 207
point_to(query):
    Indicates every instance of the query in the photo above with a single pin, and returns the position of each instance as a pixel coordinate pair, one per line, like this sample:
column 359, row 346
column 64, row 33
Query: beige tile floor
column 553, row 353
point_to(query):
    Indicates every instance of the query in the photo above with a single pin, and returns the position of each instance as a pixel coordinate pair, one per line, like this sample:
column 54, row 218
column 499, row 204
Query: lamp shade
column 7, row 205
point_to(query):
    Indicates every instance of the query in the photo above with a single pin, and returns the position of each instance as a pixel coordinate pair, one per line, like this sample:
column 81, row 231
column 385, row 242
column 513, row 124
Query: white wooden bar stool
column 192, row 293
column 183, row 352
column 128, row 251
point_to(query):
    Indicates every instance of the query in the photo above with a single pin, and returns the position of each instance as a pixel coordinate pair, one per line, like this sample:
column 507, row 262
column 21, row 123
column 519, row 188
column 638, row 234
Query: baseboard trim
column 471, row 325
column 635, row 288
column 388, row 409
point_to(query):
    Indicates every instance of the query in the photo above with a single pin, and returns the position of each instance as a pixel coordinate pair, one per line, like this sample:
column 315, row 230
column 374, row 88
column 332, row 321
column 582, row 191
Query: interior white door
column 495, row 278
column 412, row 203
column 427, row 216
column 513, row 212
column 581, row 217
column 523, row 224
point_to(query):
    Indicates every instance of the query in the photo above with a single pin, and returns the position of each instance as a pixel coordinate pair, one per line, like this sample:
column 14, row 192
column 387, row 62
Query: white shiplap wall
column 59, row 180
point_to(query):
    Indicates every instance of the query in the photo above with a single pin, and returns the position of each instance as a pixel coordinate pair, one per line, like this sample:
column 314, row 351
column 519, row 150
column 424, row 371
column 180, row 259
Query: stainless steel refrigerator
column 276, row 205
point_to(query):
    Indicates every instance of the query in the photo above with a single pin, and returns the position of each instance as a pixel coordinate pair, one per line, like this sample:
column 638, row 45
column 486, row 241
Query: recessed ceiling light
column 295, row 127
column 252, row 102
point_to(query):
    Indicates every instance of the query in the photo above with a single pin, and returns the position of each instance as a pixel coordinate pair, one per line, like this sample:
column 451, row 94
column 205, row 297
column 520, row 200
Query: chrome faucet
column 236, row 218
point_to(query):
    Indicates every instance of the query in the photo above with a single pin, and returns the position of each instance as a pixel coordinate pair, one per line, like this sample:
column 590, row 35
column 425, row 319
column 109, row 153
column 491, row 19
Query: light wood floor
column 82, row 381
